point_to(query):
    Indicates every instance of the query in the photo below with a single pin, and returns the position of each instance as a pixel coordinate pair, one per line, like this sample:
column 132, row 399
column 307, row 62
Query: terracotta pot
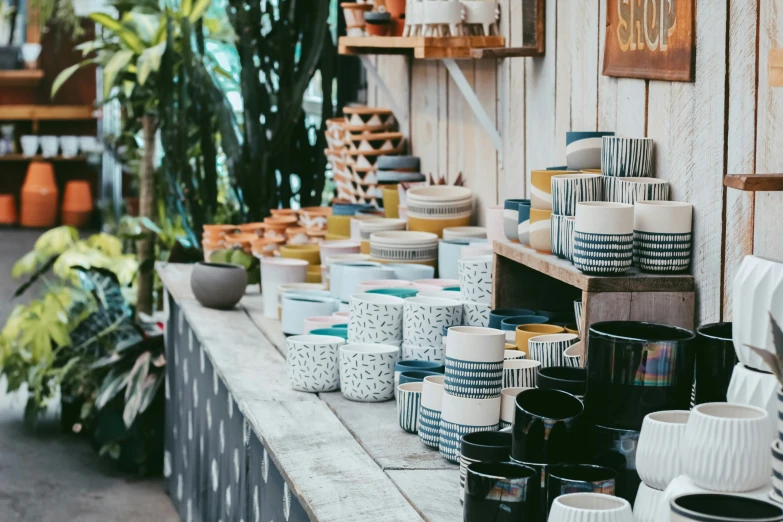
column 253, row 228
column 77, row 197
column 396, row 9
column 266, row 246
column 39, row 196
column 7, row 209
column 281, row 212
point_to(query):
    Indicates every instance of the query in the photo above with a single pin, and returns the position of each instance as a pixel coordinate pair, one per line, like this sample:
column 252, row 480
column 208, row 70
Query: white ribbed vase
column 590, row 507
column 726, row 447
column 649, row 505
column 658, row 452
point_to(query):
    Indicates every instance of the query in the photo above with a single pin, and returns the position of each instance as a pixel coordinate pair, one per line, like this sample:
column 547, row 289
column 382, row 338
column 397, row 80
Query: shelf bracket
column 474, row 103
column 401, row 113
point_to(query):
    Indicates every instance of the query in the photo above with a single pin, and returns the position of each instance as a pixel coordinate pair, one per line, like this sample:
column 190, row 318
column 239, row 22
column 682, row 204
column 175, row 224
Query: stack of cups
column 567, row 191
column 473, row 380
column 539, row 231
column 424, row 319
column 475, row 286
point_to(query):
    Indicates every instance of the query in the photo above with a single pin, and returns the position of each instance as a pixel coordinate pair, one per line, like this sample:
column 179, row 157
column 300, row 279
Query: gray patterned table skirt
column 216, row 468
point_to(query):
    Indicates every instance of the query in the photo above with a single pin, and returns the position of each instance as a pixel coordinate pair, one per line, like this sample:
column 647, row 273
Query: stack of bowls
column 436, row 207
column 368, row 227
column 398, row 246
column 567, row 191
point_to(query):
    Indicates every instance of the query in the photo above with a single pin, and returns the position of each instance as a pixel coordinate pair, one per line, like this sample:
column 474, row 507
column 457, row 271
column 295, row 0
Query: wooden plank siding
column 729, row 120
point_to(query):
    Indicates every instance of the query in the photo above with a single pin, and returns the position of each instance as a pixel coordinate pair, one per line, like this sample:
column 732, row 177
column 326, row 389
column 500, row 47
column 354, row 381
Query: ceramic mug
column 548, row 348
column 476, row 314
column 475, row 279
column 658, row 453
column 429, row 414
column 570, row 189
column 508, row 398
column 708, row 507
column 474, row 362
column 603, row 237
column 520, row 373
column 408, row 405
column 367, row 371
column 425, row 317
column 496, row 491
column 662, row 236
column 626, row 157
column 312, row 364
column 541, row 230
column 583, row 149
column 511, row 218
column 482, row 446
column 590, row 507
column 523, row 224
column 631, row 190
column 375, row 318
column 726, row 447
column 460, row 416
column 562, row 236
column 541, row 188
column 277, row 271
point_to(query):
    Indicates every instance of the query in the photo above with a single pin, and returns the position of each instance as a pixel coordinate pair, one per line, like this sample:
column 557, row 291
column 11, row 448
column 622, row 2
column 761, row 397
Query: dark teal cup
column 402, row 293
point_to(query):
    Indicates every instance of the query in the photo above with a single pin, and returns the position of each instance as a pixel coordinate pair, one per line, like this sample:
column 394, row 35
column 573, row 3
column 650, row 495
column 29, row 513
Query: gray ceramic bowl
column 218, row 285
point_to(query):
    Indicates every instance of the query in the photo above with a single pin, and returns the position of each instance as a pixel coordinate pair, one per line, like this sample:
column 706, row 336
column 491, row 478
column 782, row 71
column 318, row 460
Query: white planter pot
column 448, row 257
column 520, row 373
column 548, row 348
column 467, row 233
column 29, row 145
column 603, row 237
column 411, row 271
column 429, row 414
column 411, row 352
column 508, row 398
column 758, row 292
column 476, row 314
column 322, row 321
column 277, row 271
column 298, row 308
column 493, row 216
column 425, row 317
column 345, row 277
column 590, row 507
column 474, row 362
column 649, row 505
column 777, row 468
column 313, row 362
column 375, row 318
column 49, row 146
column 475, row 279
column 755, row 388
column 662, row 235
column 460, row 416
column 376, row 284
column 475, row 249
column 683, row 485
column 726, row 447
column 699, row 507
column 570, row 189
column 626, row 157
column 631, row 190
column 367, row 371
column 408, row 406
column 573, row 356
column 338, row 247
column 658, row 452
column 70, row 145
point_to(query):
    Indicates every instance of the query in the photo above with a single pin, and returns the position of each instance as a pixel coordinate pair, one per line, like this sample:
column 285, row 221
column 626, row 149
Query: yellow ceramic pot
column 436, row 226
column 310, row 253
column 313, row 274
column 510, row 346
column 572, row 329
column 365, row 246
column 592, row 171
column 541, row 230
column 338, row 226
column 526, row 331
column 391, row 201
column 336, row 237
column 541, row 187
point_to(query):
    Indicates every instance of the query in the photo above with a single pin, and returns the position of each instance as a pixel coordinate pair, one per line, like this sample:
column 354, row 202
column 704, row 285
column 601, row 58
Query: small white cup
column 49, row 146
column 70, row 146
column 29, row 145
column 30, row 54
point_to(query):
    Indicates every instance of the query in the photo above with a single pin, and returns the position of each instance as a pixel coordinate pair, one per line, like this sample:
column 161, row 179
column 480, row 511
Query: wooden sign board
column 651, row 39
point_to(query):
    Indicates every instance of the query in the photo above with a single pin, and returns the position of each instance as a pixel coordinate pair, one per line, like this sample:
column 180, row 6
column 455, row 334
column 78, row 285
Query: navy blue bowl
column 513, row 204
column 415, row 376
column 498, row 314
column 524, row 212
column 510, row 323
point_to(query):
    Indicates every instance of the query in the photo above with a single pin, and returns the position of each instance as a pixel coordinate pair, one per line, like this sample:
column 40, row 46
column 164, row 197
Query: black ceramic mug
column 616, row 448
column 715, row 361
column 563, row 378
column 500, row 492
column 546, row 427
column 482, row 446
column 636, row 368
column 579, row 478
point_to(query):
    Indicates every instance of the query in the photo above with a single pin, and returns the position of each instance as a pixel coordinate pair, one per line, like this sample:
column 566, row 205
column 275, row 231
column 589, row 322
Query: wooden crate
column 524, row 278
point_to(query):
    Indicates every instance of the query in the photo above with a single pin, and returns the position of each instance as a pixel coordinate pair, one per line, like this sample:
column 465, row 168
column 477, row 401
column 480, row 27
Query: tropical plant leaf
column 130, row 39
column 199, row 8
column 771, row 360
column 150, row 225
column 134, row 392
column 56, row 240
column 151, row 387
column 777, row 337
column 112, row 384
column 106, row 243
column 66, row 74
column 119, row 61
column 185, row 7
column 149, row 62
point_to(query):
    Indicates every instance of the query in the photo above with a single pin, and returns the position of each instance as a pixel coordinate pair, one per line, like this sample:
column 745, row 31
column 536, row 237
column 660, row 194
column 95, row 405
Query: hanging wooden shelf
column 22, row 78
column 755, row 182
column 20, row 157
column 47, row 112
column 422, row 47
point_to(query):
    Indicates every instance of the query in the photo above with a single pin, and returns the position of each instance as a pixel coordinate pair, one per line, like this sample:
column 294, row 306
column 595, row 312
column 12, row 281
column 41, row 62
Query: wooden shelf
column 21, row 157
column 422, row 47
column 21, row 78
column 47, row 112
column 564, row 271
column 754, row 182
column 505, row 52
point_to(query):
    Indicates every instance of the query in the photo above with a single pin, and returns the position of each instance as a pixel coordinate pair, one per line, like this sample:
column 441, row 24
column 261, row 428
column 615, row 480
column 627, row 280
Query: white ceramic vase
column 429, row 413
column 313, row 362
column 375, row 318
column 367, row 371
column 460, row 416
column 474, row 362
column 658, row 451
column 758, row 292
column 590, row 507
column 475, row 279
column 425, row 317
column 726, row 447
column 755, row 388
column 276, row 271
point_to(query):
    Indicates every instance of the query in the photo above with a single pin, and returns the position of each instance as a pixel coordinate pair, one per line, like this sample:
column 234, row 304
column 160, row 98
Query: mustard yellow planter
column 436, row 226
column 338, row 226
column 309, row 253
column 391, row 201
column 526, row 331
column 541, row 187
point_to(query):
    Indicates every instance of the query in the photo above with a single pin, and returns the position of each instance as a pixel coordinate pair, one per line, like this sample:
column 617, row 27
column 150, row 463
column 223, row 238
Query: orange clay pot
column 267, row 247
column 243, row 241
column 39, row 196
column 7, row 209
column 281, row 212
column 77, row 204
column 396, row 9
column 254, row 228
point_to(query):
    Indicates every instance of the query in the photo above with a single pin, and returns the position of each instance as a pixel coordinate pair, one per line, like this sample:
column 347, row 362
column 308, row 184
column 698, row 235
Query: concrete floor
column 49, row 476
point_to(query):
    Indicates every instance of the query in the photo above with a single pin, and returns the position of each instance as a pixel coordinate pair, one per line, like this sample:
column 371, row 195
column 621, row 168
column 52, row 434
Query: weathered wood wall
column 728, row 121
